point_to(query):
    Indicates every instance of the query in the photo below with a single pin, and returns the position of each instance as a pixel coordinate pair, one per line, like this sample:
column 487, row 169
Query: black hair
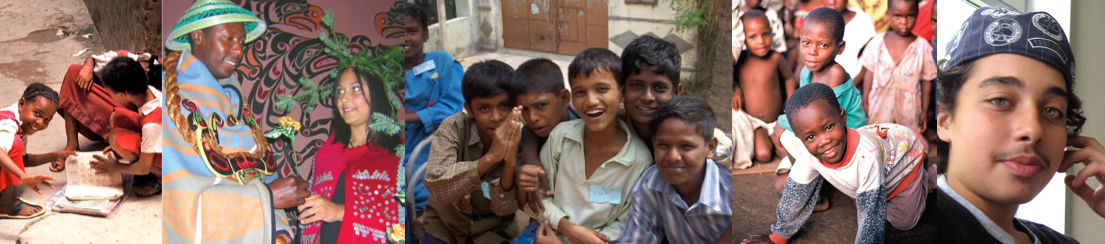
column 537, row 75
column 378, row 103
column 890, row 3
column 40, row 90
column 689, row 109
column 654, row 54
column 153, row 75
column 124, row 74
column 950, row 81
column 806, row 95
column 830, row 18
column 486, row 78
column 756, row 14
column 417, row 13
column 595, row 60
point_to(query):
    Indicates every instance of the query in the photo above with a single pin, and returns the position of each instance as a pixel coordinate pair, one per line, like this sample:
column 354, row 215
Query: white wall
column 462, row 32
column 645, row 19
column 1087, row 25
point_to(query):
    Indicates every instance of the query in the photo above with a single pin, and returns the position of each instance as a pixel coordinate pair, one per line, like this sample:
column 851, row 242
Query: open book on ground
column 59, row 203
column 83, row 183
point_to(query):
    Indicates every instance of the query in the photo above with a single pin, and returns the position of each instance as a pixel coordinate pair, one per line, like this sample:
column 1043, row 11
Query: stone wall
column 133, row 25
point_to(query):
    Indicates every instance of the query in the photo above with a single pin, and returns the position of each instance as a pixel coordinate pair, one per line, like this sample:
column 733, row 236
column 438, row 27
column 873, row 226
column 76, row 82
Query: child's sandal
column 14, row 214
column 152, row 183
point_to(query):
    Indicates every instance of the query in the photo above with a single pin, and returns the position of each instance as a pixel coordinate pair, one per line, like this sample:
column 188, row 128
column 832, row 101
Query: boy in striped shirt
column 685, row 197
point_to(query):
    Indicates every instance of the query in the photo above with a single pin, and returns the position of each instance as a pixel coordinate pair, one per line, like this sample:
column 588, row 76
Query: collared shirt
column 1039, row 234
column 457, row 202
column 659, row 213
column 9, row 129
column 151, row 132
column 433, row 94
column 563, row 159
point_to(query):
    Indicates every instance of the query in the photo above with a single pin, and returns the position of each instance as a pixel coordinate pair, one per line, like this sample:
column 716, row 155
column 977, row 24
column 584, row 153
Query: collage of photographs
column 551, row 121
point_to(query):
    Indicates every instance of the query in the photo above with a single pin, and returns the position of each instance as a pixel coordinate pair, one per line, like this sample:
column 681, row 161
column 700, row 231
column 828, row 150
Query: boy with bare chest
column 759, row 72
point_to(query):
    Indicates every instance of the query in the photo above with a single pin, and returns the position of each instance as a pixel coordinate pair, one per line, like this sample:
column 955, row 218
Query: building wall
column 629, row 21
column 471, row 31
column 132, row 25
column 1085, row 33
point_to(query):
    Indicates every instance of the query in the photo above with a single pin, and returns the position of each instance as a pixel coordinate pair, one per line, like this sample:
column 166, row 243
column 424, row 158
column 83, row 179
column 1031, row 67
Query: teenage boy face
column 646, row 91
column 596, row 96
column 681, row 153
column 35, row 114
column 1008, row 129
column 542, row 111
column 818, row 46
column 757, row 36
column 489, row 112
column 902, row 16
column 822, row 131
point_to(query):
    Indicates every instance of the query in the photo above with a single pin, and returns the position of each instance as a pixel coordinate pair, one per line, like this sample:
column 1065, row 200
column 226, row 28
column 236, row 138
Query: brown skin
column 542, row 111
column 354, row 104
column 413, row 53
column 760, row 73
column 35, row 115
column 902, row 18
column 219, row 48
column 596, row 96
column 819, row 51
column 822, row 131
column 933, row 25
column 143, row 163
column 644, row 92
column 681, row 152
column 498, row 122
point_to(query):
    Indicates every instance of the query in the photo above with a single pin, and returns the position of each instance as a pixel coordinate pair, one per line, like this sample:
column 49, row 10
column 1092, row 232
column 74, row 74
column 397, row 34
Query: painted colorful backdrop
column 291, row 49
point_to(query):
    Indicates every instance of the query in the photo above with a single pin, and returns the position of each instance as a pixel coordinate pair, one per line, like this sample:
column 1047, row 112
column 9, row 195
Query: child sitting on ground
column 761, row 74
column 685, row 197
column 590, row 200
column 821, row 41
column 880, row 166
column 471, row 186
column 136, row 137
column 31, row 114
column 897, row 71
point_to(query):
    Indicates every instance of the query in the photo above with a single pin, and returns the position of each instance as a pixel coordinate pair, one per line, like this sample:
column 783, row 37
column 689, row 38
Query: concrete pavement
column 31, row 51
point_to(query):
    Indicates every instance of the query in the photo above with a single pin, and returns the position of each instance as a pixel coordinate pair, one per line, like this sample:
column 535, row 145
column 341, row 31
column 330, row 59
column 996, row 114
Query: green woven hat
column 207, row 13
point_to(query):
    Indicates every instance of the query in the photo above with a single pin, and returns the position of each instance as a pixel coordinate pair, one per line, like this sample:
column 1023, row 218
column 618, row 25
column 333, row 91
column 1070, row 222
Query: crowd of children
column 518, row 147
column 874, row 91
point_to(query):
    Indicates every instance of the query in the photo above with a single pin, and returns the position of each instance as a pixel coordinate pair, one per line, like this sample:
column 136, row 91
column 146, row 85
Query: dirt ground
column 755, row 201
column 31, row 51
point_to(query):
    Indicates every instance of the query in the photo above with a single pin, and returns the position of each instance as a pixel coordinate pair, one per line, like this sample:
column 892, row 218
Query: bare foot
column 148, row 190
column 822, row 204
column 29, row 210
